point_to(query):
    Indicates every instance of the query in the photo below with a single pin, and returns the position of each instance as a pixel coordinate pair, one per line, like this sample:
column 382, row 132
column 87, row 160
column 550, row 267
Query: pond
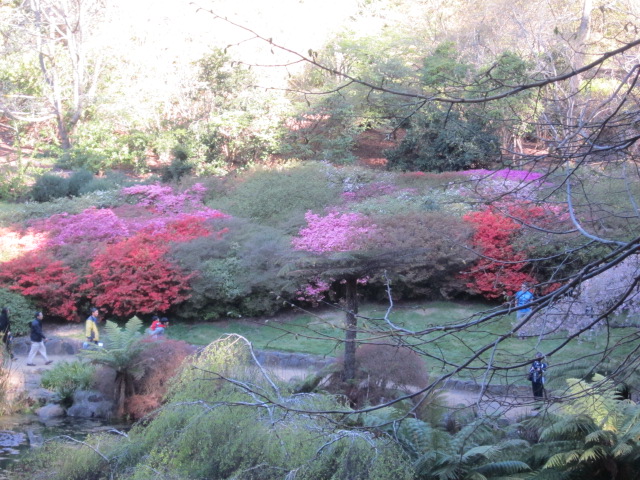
column 20, row 433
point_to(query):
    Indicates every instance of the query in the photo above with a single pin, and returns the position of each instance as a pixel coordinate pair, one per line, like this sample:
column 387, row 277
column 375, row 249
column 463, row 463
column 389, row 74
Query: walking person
column 91, row 326
column 536, row 376
column 37, row 341
column 5, row 331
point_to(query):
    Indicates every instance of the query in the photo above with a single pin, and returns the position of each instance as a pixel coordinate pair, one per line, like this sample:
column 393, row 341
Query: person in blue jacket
column 523, row 297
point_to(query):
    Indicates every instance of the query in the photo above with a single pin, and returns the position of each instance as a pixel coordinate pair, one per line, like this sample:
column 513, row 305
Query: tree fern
column 573, row 427
column 121, row 352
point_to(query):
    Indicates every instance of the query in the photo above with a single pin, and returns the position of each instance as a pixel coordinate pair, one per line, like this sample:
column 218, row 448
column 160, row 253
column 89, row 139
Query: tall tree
column 60, row 34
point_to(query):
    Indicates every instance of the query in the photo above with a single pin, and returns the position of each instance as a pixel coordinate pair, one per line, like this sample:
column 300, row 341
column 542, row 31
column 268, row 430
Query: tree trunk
column 120, row 394
column 351, row 329
column 579, row 42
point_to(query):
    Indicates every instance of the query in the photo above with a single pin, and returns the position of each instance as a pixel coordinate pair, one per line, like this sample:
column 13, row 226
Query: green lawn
column 321, row 334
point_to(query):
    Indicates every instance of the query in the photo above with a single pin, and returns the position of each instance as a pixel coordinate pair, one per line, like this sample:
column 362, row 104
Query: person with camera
column 536, row 376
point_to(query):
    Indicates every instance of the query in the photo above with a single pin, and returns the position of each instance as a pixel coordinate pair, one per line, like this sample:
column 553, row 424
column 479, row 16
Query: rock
column 50, row 411
column 90, row 404
column 55, row 346
column 43, row 396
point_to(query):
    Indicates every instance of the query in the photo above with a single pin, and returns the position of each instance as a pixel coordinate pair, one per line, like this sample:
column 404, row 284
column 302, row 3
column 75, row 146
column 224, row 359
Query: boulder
column 50, row 411
column 42, row 396
column 90, row 404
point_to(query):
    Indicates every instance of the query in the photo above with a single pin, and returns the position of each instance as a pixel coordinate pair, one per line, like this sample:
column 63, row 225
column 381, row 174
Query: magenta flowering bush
column 314, row 292
column 335, row 232
column 92, row 225
column 163, row 199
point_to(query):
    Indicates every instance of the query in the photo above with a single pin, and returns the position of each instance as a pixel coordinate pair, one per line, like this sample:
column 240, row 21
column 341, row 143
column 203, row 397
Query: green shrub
column 281, row 197
column 77, row 180
column 440, row 142
column 10, row 214
column 176, row 170
column 238, row 273
column 86, row 158
column 22, row 310
column 65, row 378
column 63, row 460
column 112, row 180
column 13, row 183
column 49, row 187
column 194, row 436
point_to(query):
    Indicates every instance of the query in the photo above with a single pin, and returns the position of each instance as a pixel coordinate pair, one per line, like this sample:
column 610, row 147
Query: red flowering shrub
column 51, row 283
column 501, row 269
column 133, row 276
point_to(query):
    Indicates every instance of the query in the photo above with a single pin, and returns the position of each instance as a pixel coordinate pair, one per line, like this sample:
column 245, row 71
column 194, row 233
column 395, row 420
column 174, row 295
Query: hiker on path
column 37, row 341
column 91, row 326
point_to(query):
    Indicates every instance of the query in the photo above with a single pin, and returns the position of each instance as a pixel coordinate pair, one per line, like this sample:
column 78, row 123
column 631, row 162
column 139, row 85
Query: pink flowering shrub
column 335, row 232
column 162, row 198
column 92, row 225
column 314, row 292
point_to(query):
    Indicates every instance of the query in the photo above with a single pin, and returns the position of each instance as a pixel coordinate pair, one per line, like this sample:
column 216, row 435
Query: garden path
column 24, row 378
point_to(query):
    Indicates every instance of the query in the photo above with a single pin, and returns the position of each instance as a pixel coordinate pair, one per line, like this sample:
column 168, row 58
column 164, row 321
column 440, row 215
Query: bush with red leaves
column 162, row 360
column 51, row 283
column 501, row 270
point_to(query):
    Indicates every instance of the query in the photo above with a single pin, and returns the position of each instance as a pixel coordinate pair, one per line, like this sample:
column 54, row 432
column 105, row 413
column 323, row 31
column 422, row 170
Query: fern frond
column 485, row 451
column 601, row 437
column 624, row 449
column 593, row 454
column 569, row 428
column 563, row 459
column 508, row 467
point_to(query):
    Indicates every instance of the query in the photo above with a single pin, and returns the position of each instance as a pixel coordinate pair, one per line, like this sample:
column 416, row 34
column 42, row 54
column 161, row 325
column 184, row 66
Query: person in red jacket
column 158, row 325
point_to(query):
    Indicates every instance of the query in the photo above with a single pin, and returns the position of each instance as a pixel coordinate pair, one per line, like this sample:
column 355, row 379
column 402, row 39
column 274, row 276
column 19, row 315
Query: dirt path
column 24, row 378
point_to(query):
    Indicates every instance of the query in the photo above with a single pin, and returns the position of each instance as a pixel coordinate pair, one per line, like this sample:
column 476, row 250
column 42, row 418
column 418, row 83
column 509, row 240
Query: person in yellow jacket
column 91, row 326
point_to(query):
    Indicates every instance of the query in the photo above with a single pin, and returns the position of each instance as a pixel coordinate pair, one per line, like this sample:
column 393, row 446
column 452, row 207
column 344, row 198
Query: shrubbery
column 65, row 378
column 440, row 142
column 238, row 273
column 22, row 310
column 48, row 187
column 280, row 197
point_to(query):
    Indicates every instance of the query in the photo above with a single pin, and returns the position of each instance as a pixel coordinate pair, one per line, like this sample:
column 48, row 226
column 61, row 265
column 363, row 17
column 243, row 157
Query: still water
column 20, row 433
